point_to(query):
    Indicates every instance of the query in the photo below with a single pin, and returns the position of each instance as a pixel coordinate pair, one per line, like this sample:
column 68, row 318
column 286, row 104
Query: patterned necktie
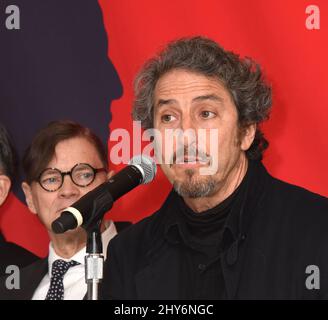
column 56, row 289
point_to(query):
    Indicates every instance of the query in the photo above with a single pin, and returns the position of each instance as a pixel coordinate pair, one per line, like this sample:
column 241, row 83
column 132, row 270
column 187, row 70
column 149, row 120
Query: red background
column 272, row 32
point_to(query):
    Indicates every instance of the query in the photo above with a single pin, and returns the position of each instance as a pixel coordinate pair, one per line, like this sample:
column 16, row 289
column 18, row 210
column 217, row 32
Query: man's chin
column 196, row 186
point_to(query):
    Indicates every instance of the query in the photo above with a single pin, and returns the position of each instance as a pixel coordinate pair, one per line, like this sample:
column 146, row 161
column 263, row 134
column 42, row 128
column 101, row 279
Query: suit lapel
column 31, row 277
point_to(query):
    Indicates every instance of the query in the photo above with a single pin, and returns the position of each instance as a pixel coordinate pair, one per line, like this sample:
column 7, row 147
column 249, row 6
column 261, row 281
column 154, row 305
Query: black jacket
column 279, row 231
column 12, row 254
column 30, row 278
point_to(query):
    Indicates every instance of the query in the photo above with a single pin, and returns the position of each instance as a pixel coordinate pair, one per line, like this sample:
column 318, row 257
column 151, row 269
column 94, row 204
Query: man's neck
column 229, row 185
column 68, row 244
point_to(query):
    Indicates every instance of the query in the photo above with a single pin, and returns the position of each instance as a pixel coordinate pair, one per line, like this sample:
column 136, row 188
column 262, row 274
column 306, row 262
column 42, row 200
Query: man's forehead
column 75, row 150
column 180, row 82
column 205, row 97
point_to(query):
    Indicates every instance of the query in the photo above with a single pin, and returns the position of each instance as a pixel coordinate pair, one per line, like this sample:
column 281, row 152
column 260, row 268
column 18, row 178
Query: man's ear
column 248, row 135
column 110, row 174
column 5, row 184
column 28, row 197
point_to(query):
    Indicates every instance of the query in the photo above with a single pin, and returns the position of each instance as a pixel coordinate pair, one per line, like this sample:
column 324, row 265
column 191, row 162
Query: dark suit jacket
column 32, row 275
column 30, row 278
column 282, row 229
column 12, row 254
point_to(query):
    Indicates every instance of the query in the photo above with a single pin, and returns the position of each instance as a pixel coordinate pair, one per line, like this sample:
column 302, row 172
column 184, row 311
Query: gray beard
column 191, row 188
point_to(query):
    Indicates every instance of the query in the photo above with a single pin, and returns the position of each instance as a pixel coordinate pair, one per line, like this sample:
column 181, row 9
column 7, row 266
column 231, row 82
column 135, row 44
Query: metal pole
column 94, row 274
column 94, row 262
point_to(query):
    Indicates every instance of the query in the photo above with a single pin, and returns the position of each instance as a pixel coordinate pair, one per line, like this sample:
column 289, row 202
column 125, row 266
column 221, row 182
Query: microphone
column 90, row 208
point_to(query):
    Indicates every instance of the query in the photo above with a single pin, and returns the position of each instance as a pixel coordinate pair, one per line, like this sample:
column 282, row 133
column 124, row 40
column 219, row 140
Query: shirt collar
column 109, row 233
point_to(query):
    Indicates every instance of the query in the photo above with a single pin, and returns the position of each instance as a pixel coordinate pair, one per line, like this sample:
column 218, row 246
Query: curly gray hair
column 243, row 78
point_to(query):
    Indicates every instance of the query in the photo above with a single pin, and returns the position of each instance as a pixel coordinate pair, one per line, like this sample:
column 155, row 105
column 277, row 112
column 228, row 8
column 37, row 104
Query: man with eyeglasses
column 64, row 162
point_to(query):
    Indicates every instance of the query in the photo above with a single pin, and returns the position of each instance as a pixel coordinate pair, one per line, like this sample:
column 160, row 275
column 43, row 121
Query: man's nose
column 189, row 129
column 68, row 189
column 187, row 122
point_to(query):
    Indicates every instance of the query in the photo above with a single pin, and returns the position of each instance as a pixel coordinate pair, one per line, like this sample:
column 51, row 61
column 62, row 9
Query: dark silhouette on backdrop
column 55, row 67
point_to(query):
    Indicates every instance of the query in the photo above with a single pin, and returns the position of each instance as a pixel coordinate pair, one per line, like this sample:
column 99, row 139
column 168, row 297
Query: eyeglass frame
column 69, row 173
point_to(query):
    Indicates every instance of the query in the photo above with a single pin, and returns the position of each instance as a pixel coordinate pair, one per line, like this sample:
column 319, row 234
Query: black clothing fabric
column 13, row 254
column 273, row 232
column 199, row 236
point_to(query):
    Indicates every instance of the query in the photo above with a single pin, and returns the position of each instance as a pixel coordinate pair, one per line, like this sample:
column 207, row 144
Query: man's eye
column 166, row 118
column 84, row 175
column 50, row 180
column 207, row 114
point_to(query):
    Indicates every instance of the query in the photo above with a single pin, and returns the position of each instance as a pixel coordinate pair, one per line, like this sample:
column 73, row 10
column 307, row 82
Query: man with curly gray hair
column 237, row 232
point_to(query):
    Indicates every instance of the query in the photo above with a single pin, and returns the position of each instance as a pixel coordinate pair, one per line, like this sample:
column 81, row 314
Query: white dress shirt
column 75, row 287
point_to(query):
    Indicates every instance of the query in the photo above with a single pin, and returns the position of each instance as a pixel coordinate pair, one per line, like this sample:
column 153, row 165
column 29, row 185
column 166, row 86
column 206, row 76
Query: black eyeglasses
column 82, row 175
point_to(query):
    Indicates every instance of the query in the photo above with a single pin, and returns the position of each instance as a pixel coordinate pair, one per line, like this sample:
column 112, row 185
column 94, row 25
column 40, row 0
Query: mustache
column 180, row 155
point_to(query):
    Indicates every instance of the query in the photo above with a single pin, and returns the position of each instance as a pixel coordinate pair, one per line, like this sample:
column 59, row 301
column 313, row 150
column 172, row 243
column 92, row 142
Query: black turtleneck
column 204, row 229
column 200, row 238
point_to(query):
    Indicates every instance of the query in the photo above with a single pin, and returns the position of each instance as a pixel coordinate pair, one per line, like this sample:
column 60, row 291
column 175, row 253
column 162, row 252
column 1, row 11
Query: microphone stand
column 94, row 261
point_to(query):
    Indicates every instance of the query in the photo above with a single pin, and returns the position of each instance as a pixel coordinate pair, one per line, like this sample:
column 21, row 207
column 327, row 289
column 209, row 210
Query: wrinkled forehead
column 72, row 151
column 187, row 83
